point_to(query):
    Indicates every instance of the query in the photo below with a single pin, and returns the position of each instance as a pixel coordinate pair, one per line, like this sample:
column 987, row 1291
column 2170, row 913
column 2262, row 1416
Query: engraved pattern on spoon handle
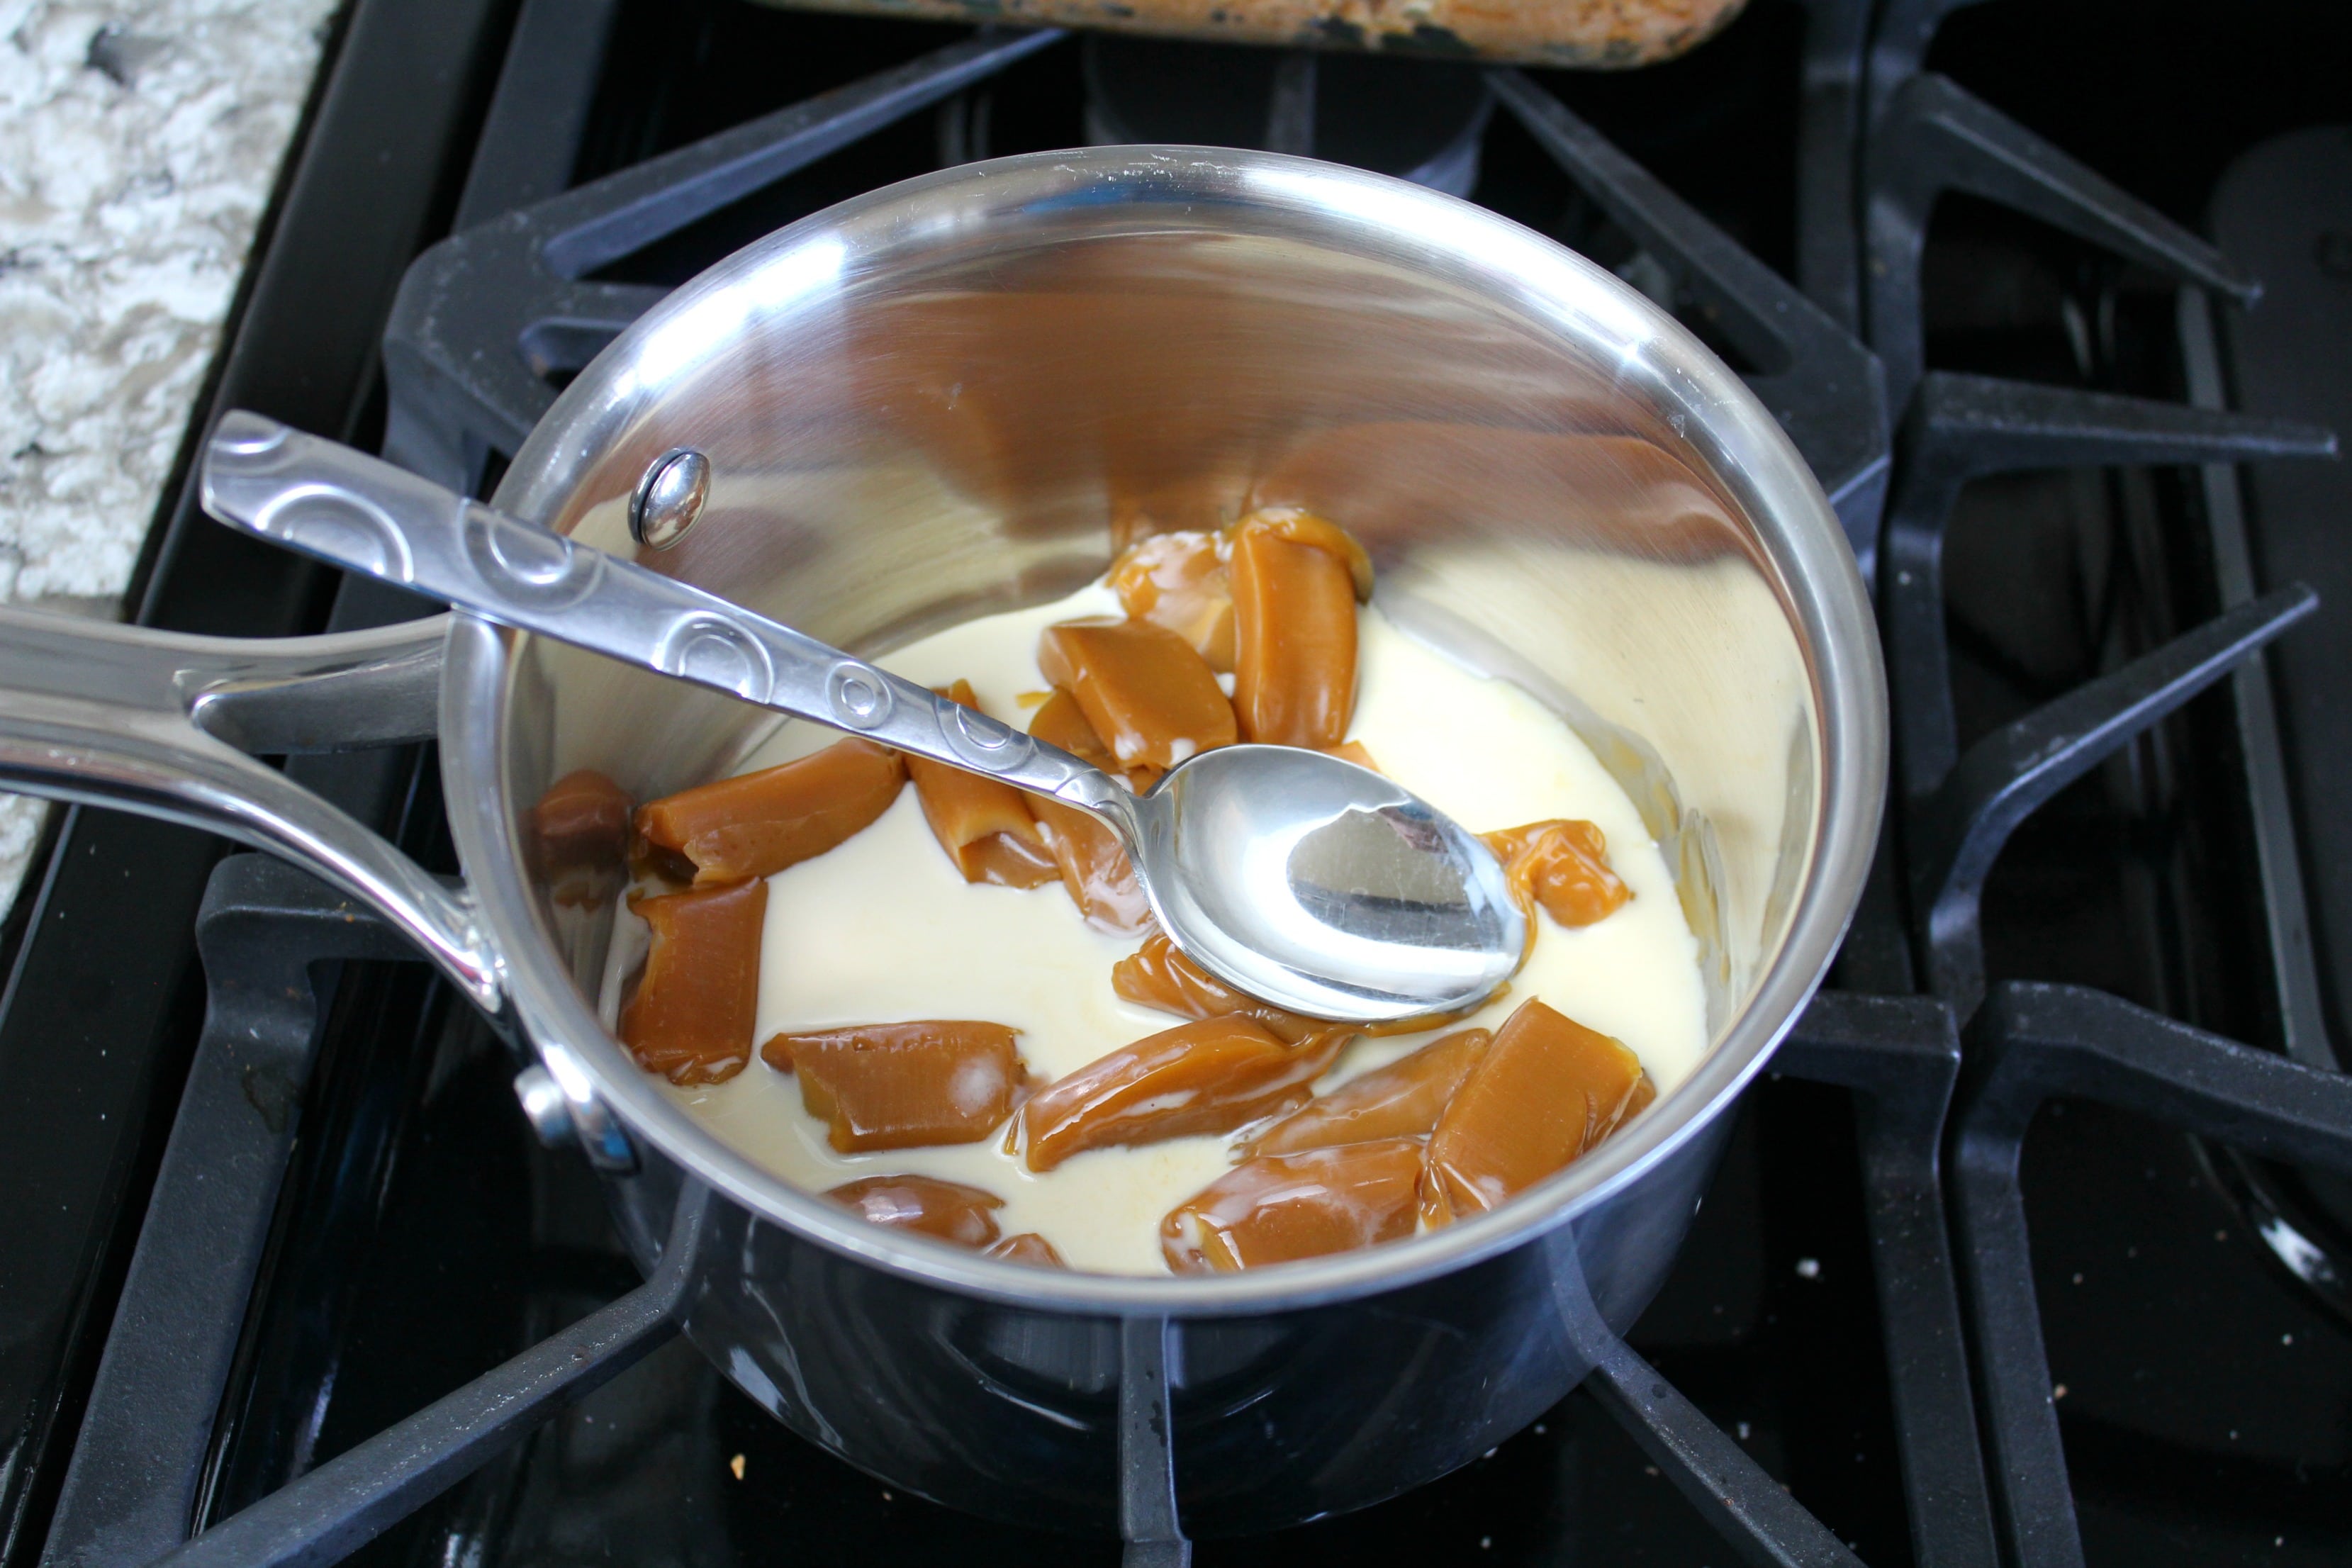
column 364, row 514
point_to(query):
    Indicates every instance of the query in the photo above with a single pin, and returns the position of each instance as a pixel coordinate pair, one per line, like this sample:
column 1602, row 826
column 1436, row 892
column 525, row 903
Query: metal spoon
column 1314, row 884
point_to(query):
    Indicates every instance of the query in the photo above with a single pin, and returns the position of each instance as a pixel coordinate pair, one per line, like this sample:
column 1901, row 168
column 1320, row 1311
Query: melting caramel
column 1157, row 976
column 1295, row 631
column 948, row 1210
column 757, row 825
column 1180, row 581
column 903, row 1086
column 1148, row 694
column 1402, row 1100
column 1562, row 866
column 1095, row 869
column 983, row 824
column 1546, row 1091
column 1027, row 1248
column 1211, row 1076
column 1279, row 1208
column 690, row 1018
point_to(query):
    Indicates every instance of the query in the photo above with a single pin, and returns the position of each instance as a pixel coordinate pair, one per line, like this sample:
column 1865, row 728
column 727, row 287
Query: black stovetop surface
column 424, row 1235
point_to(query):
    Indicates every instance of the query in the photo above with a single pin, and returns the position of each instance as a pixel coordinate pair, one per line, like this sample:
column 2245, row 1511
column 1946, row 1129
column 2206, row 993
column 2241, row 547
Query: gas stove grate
column 486, row 318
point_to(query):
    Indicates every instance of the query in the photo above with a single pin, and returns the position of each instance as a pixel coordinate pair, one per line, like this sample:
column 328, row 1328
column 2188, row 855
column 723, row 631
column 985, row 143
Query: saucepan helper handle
column 153, row 723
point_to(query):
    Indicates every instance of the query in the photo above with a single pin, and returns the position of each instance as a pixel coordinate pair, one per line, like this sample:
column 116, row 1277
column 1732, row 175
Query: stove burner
column 1418, row 119
column 534, row 283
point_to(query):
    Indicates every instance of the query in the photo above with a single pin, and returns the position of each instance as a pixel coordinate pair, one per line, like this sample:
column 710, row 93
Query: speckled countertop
column 139, row 140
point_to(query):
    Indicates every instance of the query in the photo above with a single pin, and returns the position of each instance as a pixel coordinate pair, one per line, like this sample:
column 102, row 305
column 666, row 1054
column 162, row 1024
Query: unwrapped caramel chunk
column 582, row 821
column 1095, row 869
column 1179, row 580
column 1562, row 865
column 1211, row 1076
column 1546, row 1091
column 580, row 829
column 983, row 824
column 901, row 1086
column 1299, row 526
column 1028, row 1247
column 1279, row 1208
column 1060, row 721
column 1153, row 699
column 1295, row 592
column 1402, row 1100
column 925, row 1204
column 1157, row 976
column 690, row 1018
column 758, row 824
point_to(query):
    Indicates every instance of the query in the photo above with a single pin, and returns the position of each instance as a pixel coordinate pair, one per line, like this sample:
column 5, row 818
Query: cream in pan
column 883, row 928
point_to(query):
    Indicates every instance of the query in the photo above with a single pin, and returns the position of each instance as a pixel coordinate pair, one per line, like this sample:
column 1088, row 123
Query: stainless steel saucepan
column 946, row 398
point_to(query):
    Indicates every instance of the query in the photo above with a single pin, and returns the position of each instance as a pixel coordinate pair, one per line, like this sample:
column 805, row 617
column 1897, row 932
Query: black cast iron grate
column 488, row 320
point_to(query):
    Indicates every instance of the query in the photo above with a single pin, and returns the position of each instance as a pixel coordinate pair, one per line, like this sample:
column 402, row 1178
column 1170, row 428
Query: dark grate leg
column 1901, row 1056
column 353, row 1497
column 1734, row 1493
column 1959, row 831
column 1963, row 427
column 131, row 1490
column 1821, row 385
column 2034, row 1041
column 485, row 316
column 1829, row 130
column 1933, row 137
column 1147, row 1448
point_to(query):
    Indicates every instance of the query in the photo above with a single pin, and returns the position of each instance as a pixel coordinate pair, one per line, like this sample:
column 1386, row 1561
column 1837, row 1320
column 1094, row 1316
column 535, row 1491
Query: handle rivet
column 543, row 1105
column 669, row 498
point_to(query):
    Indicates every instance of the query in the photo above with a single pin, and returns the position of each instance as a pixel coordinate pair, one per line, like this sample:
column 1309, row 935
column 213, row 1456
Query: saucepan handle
column 161, row 723
column 364, row 514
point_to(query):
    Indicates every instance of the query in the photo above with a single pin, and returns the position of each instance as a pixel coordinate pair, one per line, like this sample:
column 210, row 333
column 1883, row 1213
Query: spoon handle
column 360, row 513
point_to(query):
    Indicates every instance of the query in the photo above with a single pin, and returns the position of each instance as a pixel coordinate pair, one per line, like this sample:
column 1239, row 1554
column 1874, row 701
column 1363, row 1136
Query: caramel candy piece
column 1402, row 1100
column 1157, row 976
column 1546, row 1091
column 1299, row 526
column 925, row 1204
column 690, row 1018
column 902, row 1086
column 1180, row 581
column 1279, row 1208
column 1562, row 865
column 1352, row 751
column 1151, row 698
column 1093, row 868
column 1060, row 721
column 1211, row 1076
column 983, row 824
column 1028, row 1247
column 581, row 821
column 758, row 824
column 1295, row 635
column 580, row 829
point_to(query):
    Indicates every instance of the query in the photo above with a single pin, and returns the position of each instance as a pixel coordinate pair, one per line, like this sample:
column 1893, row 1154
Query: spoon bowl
column 1309, row 882
column 1324, row 888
